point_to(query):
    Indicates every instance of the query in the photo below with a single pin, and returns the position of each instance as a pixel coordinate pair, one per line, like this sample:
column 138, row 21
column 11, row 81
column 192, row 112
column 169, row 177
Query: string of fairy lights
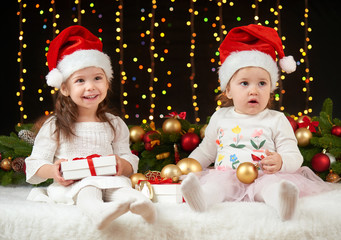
column 154, row 24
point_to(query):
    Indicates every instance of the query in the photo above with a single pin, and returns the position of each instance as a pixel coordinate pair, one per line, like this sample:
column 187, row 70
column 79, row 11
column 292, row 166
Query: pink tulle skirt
column 304, row 178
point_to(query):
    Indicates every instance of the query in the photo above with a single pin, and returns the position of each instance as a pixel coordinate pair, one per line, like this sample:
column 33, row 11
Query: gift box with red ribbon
column 161, row 191
column 94, row 165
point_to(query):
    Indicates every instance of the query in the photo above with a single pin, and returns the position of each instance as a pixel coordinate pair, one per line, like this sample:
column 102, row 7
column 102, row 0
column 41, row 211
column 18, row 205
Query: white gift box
column 96, row 166
column 167, row 193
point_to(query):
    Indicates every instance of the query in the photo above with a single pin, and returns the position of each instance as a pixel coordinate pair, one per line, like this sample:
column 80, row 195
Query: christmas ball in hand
column 136, row 134
column 171, row 171
column 136, row 177
column 189, row 141
column 303, row 137
column 188, row 165
column 320, row 162
column 247, row 172
column 171, row 125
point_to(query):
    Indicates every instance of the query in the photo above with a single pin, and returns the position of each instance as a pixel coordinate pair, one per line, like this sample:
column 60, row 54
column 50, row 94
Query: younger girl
column 81, row 126
column 248, row 131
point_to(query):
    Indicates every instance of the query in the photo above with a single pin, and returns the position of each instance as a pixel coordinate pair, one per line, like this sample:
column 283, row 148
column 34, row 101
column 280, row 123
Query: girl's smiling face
column 249, row 88
column 87, row 88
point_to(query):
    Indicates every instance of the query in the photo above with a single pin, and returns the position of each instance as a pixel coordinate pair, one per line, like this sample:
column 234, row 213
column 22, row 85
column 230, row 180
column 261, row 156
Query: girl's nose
column 253, row 90
column 90, row 86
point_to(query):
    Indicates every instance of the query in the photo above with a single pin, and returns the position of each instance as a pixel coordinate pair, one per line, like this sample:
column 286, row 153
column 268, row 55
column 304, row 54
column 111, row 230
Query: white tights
column 283, row 196
column 104, row 206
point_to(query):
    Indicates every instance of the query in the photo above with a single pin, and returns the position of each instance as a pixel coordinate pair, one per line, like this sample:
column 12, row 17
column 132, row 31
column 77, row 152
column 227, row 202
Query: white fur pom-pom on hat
column 54, row 78
column 288, row 64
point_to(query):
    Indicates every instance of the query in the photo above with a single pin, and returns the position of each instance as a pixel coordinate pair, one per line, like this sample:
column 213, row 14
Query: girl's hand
column 57, row 175
column 123, row 167
column 272, row 163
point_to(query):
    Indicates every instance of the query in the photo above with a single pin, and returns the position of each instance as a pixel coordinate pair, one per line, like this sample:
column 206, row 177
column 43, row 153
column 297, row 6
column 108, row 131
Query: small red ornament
column 189, row 141
column 293, row 123
column 150, row 139
column 146, row 136
column 336, row 131
column 320, row 162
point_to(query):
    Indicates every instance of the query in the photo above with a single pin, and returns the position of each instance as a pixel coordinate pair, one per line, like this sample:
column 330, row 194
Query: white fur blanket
column 318, row 217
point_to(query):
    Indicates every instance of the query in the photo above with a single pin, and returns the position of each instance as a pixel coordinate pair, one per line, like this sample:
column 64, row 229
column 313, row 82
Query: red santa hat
column 73, row 49
column 253, row 46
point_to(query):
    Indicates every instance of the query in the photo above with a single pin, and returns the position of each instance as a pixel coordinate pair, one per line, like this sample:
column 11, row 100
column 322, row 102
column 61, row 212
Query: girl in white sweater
column 245, row 130
column 81, row 126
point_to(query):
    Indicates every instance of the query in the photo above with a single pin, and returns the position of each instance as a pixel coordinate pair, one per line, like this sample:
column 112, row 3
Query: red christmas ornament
column 150, row 140
column 293, row 123
column 189, row 141
column 336, row 130
column 320, row 162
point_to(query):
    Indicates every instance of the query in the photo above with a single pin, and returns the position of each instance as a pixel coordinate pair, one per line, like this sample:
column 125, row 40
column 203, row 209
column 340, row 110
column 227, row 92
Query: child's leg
column 283, row 196
column 89, row 199
column 140, row 204
column 200, row 197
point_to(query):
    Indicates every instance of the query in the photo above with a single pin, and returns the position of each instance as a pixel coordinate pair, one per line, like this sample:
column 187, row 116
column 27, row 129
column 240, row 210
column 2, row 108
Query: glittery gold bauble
column 136, row 133
column 202, row 131
column 136, row 177
column 171, row 171
column 247, row 172
column 188, row 165
column 171, row 125
column 6, row 164
column 303, row 137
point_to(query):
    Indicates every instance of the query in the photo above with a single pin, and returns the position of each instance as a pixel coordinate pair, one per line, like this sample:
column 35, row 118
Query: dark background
column 324, row 57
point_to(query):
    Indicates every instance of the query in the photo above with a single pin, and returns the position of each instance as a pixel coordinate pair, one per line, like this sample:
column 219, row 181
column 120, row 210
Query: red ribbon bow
column 158, row 181
column 90, row 163
column 308, row 124
column 181, row 115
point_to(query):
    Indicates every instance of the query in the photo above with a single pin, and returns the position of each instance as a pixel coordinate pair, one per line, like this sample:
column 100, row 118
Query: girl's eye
column 244, row 83
column 80, row 80
column 262, row 83
column 98, row 78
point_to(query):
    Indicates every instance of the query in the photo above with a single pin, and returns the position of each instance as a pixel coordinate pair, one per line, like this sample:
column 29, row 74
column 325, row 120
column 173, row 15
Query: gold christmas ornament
column 247, row 172
column 6, row 164
column 136, row 177
column 188, row 165
column 171, row 125
column 136, row 134
column 303, row 137
column 171, row 171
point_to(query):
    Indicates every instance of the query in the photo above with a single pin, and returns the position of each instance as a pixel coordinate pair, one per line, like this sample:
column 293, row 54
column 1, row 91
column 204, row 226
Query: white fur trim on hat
column 238, row 60
column 76, row 61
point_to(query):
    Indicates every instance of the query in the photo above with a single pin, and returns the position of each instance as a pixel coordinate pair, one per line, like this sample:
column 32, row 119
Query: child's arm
column 286, row 146
column 127, row 163
column 53, row 171
column 123, row 167
column 206, row 152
